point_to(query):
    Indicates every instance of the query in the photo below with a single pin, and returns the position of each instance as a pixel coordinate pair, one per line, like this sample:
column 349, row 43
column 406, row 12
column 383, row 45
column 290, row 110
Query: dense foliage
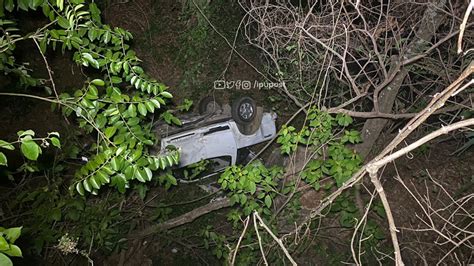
column 115, row 105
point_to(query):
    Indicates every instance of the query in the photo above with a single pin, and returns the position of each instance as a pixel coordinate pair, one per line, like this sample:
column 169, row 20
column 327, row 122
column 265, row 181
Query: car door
column 219, row 141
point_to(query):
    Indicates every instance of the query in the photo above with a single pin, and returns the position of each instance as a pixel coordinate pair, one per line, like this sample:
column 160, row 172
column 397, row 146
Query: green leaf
column 116, row 80
column 54, row 133
column 5, row 261
column 137, row 153
column 172, row 180
column 170, row 160
column 6, row 145
column 37, row 3
column 86, row 185
column 94, row 182
column 138, row 70
column 132, row 110
column 141, row 176
column 23, row 4
column 103, row 176
column 30, row 149
column 243, row 199
column 156, row 103
column 60, row 4
column 235, row 198
column 268, row 201
column 56, row 143
column 133, row 121
column 252, row 187
column 142, row 109
column 63, row 22
column 343, row 120
column 106, row 37
column 12, row 234
column 9, row 7
column 378, row 234
column 176, row 121
column 3, row 159
column 98, row 82
column 160, row 100
column 88, row 57
column 166, row 94
column 163, row 164
column 119, row 150
column 115, row 163
column 150, row 107
column 120, row 182
column 100, row 121
column 149, row 174
column 137, row 83
column 347, row 219
column 110, row 131
column 95, row 12
column 133, row 80
column 29, row 132
column 80, row 188
column 3, row 244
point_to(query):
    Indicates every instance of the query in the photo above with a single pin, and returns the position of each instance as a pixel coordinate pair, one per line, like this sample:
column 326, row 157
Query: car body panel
column 219, row 139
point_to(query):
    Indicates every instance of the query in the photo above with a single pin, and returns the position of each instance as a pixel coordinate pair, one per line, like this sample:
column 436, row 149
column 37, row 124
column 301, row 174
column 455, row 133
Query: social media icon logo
column 219, row 85
column 246, row 84
column 229, row 84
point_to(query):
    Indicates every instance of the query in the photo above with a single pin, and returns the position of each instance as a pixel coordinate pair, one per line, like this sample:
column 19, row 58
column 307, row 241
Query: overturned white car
column 218, row 132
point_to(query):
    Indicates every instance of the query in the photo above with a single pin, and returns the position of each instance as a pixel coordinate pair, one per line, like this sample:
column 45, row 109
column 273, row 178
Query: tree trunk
column 432, row 19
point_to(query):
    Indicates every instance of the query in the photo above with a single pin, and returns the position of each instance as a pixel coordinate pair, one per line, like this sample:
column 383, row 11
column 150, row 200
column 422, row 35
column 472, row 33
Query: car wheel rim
column 211, row 106
column 246, row 111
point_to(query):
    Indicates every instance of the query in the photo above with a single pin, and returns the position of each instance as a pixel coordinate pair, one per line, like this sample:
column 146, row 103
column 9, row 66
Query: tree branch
column 185, row 218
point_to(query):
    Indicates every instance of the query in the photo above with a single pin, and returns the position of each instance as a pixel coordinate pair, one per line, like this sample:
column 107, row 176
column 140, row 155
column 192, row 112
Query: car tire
column 208, row 105
column 244, row 110
column 246, row 115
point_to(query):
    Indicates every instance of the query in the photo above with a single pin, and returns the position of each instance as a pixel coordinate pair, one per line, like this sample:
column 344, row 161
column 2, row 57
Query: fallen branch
column 185, row 218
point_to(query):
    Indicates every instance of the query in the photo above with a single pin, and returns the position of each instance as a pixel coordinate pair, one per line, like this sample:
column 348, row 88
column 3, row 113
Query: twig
column 240, row 240
column 279, row 242
column 48, row 69
column 259, row 240
column 462, row 27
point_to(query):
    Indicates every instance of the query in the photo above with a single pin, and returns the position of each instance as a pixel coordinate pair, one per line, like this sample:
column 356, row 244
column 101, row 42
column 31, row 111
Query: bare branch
column 185, row 218
column 462, row 27
column 279, row 242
